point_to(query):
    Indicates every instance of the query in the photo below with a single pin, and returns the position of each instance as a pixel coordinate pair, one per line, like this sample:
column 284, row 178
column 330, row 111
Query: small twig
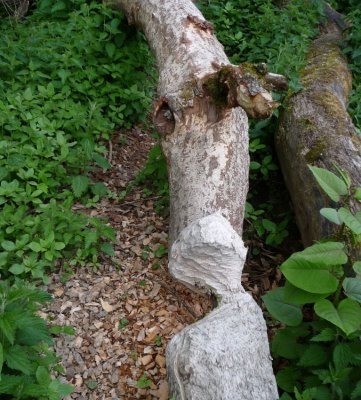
column 126, row 203
column 110, row 156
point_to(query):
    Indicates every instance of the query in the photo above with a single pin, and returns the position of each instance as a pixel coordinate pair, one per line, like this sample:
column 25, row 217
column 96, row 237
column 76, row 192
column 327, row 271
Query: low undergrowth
column 26, row 357
column 318, row 350
column 352, row 11
column 71, row 73
column 67, row 82
column 262, row 32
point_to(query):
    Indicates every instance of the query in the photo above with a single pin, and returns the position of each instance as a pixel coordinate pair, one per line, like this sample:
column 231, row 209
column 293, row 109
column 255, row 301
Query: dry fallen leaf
column 146, row 359
column 163, row 391
column 106, row 306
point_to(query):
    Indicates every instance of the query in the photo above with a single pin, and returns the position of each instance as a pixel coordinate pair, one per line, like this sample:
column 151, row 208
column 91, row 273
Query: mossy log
column 315, row 129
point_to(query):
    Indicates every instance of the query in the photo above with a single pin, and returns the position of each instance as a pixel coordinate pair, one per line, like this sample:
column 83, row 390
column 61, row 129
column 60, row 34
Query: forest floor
column 126, row 310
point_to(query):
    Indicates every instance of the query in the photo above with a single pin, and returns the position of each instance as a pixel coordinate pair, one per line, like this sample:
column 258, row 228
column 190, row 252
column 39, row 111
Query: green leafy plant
column 55, row 111
column 91, row 384
column 320, row 305
column 352, row 48
column 273, row 233
column 26, row 361
column 72, row 72
column 123, row 323
column 260, row 31
column 158, row 340
column 144, row 382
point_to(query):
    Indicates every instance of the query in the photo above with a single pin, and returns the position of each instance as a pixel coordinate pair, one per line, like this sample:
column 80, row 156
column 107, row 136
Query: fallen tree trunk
column 316, row 129
column 204, row 135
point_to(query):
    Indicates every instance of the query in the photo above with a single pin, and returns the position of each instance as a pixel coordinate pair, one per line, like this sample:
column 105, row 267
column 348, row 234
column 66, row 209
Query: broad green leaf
column 8, row 245
column 289, row 314
column 43, row 376
column 79, row 185
column 60, row 138
column 68, row 330
column 9, row 383
column 254, row 165
column 269, row 225
column 107, row 248
column 309, row 277
column 328, row 253
column 326, row 335
column 101, row 161
column 356, row 393
column 314, row 355
column 28, row 95
column 287, row 378
column 92, row 384
column 35, row 246
column 17, row 358
column 59, row 245
column 333, row 186
column 110, row 49
column 36, row 391
column 3, row 258
column 32, row 330
column 3, row 173
column 352, row 287
column 91, row 237
column 294, row 295
column 60, row 389
column 342, row 355
column 356, row 53
column 49, row 255
column 285, row 396
column 357, row 194
column 284, row 344
column 17, row 269
column 322, row 393
column 357, row 267
column 350, row 220
column 88, row 146
column 331, row 214
column 99, row 189
column 347, row 316
column 7, row 326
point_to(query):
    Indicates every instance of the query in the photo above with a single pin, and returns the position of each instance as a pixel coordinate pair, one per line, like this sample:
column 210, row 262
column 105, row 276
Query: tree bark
column 201, row 117
column 203, row 128
column 316, row 129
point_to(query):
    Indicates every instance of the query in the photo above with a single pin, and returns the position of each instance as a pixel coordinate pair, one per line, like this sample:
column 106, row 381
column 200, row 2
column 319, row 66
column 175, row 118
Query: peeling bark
column 316, row 129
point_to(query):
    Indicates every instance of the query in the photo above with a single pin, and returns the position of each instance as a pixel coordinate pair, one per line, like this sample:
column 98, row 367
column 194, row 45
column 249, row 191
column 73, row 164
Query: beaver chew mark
column 164, row 118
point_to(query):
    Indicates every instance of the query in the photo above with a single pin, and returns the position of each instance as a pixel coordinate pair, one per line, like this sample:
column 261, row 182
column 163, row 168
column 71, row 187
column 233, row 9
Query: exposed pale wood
column 225, row 355
column 316, row 129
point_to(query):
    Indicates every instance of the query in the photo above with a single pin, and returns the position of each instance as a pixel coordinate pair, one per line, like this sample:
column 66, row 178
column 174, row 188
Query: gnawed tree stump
column 316, row 129
column 201, row 116
column 226, row 354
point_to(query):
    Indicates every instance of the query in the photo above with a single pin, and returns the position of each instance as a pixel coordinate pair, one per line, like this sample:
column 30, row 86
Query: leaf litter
column 125, row 311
